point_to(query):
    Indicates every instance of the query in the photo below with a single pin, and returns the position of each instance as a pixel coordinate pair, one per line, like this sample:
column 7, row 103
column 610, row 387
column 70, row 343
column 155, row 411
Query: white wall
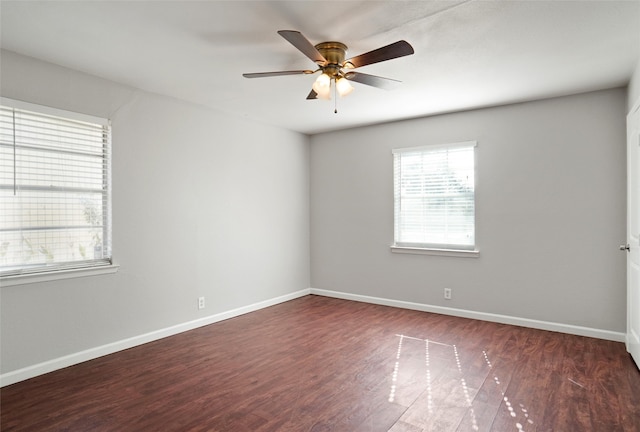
column 550, row 212
column 203, row 205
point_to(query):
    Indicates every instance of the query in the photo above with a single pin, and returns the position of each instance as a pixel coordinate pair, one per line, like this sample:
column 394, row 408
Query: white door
column 633, row 233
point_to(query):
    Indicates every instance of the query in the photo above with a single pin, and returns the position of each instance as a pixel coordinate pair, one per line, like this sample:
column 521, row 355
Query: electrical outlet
column 200, row 302
column 447, row 293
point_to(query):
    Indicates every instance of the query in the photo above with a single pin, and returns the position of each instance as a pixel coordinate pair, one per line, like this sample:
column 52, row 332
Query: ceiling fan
column 330, row 58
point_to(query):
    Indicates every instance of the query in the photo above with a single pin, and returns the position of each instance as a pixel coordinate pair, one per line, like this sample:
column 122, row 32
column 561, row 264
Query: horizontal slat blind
column 434, row 194
column 55, row 192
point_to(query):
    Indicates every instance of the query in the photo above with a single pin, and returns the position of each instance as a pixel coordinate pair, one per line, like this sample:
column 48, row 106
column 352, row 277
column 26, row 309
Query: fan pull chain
column 335, row 97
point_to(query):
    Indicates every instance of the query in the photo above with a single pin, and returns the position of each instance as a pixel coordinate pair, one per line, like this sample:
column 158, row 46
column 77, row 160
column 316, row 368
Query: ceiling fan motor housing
column 334, row 53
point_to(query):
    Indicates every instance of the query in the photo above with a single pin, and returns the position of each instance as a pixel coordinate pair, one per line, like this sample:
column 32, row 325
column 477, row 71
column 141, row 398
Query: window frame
column 43, row 273
column 450, row 250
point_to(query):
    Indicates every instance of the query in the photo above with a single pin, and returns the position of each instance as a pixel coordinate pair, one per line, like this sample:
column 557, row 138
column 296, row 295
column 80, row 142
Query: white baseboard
column 633, row 346
column 93, row 353
column 483, row 316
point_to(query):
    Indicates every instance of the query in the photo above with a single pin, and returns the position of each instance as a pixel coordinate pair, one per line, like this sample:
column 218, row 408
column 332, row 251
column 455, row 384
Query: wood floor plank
column 322, row 364
column 401, row 426
column 441, row 410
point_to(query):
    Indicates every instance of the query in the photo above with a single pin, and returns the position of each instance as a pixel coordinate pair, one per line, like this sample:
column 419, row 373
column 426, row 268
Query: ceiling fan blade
column 296, row 39
column 372, row 80
column 394, row 50
column 312, row 95
column 279, row 73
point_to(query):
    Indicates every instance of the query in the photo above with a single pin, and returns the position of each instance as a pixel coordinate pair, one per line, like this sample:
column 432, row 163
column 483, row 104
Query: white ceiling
column 468, row 54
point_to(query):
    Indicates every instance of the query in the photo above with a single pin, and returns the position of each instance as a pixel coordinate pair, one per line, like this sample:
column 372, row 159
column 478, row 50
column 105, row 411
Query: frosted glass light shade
column 322, row 86
column 343, row 86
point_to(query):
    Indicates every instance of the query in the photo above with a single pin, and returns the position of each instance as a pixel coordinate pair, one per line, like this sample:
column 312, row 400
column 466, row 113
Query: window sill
column 439, row 252
column 6, row 281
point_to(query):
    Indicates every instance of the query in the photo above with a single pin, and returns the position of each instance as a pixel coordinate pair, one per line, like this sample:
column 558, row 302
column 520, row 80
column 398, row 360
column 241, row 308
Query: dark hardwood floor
column 321, row 364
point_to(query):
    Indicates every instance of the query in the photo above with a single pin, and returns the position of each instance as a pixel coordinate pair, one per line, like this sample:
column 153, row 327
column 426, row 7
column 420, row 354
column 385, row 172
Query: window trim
column 437, row 250
column 43, row 109
column 107, row 266
column 54, row 275
column 459, row 253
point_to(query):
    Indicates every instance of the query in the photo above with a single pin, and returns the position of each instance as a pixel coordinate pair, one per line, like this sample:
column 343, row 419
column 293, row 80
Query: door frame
column 633, row 166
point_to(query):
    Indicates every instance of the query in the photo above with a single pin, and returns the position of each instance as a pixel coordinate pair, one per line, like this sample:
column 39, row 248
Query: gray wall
column 203, row 205
column 550, row 212
column 634, row 84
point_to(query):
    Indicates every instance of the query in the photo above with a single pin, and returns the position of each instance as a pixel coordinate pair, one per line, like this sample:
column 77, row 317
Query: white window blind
column 434, row 197
column 54, row 190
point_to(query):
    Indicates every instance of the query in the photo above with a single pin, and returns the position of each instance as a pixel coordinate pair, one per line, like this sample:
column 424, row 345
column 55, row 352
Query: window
column 55, row 197
column 434, row 197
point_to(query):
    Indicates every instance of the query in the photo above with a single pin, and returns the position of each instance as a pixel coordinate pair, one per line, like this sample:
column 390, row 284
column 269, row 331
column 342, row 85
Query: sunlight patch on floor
column 429, row 379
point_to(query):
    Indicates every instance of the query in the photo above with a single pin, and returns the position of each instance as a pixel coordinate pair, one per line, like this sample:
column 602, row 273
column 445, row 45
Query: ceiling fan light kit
column 334, row 54
column 336, row 72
